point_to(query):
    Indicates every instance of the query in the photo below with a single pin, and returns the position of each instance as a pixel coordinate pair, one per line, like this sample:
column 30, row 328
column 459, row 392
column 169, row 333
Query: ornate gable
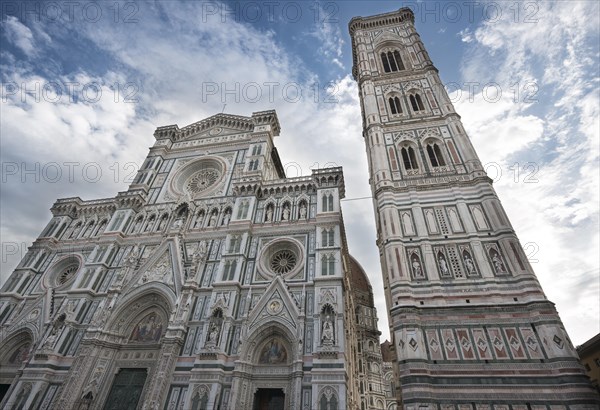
column 165, row 266
column 275, row 304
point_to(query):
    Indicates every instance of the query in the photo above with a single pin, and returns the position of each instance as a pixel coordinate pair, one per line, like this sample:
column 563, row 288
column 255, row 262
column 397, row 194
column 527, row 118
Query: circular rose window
column 282, row 257
column 62, row 272
column 202, row 180
column 67, row 274
column 199, row 177
column 283, row 261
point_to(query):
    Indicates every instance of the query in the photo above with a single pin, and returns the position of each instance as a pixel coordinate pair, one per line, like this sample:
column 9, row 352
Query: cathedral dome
column 360, row 283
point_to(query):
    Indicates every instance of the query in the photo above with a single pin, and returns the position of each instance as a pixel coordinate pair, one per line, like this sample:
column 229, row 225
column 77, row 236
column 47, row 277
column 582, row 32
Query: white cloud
column 19, row 34
column 466, row 36
column 557, row 214
column 330, row 36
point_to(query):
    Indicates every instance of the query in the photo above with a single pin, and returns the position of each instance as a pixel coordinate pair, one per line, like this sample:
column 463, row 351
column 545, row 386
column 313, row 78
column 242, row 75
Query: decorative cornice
column 75, row 206
column 237, row 122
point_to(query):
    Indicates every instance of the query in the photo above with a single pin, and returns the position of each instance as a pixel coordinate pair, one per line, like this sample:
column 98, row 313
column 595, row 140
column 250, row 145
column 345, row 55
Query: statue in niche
column 180, row 220
column 199, row 219
column 213, row 219
column 162, row 222
column 469, row 264
column 269, row 215
column 149, row 224
column 199, row 255
column 498, row 265
column 443, row 265
column 226, row 217
column 53, row 335
column 285, row 215
column 132, row 257
column 274, row 352
column 147, row 330
column 214, row 329
column 138, row 225
column 70, row 311
column 213, row 334
column 327, row 333
column 178, row 223
column 416, row 266
column 303, row 210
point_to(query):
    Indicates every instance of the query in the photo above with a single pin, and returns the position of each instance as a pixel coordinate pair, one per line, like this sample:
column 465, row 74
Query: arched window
column 327, row 265
column 391, row 61
column 327, row 237
column 243, row 210
column 395, row 107
column 435, row 155
column 409, row 158
column 327, row 202
column 235, row 243
column 229, row 270
column 416, row 103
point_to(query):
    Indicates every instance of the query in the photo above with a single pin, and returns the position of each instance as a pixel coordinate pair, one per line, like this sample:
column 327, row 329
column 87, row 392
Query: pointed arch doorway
column 270, row 377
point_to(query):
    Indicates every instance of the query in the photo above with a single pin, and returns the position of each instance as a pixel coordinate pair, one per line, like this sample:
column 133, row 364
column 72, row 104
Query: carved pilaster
column 158, row 386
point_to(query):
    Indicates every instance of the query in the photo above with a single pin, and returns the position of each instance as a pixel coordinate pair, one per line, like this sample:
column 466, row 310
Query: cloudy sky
column 84, row 85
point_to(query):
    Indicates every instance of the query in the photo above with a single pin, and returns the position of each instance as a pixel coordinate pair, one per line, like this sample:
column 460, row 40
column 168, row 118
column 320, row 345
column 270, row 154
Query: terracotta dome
column 360, row 283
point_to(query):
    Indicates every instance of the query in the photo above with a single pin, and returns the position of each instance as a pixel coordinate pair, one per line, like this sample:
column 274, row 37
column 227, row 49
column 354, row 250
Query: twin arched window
column 409, row 158
column 395, row 107
column 253, row 165
column 416, row 102
column 391, row 61
column 327, row 202
column 327, row 237
column 435, row 155
column 229, row 271
column 257, row 150
column 327, row 265
column 235, row 244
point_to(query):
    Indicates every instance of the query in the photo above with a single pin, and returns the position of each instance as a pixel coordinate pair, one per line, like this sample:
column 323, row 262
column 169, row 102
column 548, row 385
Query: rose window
column 283, row 261
column 202, row 180
column 67, row 274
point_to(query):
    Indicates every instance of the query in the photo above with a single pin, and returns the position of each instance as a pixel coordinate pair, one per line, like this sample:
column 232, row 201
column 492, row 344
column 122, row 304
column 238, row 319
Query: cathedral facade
column 470, row 325
column 216, row 282
column 213, row 282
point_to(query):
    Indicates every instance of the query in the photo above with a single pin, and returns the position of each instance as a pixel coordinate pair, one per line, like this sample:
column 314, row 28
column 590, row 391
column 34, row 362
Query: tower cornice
column 382, row 20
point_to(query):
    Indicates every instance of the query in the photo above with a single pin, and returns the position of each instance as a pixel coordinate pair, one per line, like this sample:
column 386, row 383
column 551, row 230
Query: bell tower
column 469, row 322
